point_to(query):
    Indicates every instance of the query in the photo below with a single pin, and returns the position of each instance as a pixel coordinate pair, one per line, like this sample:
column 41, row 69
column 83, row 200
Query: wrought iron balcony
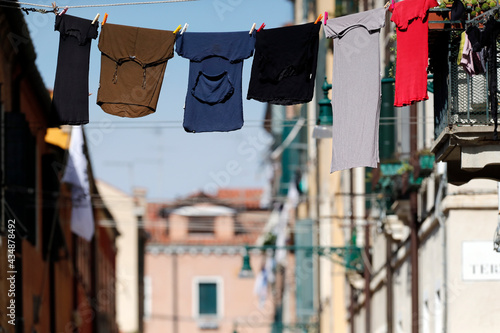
column 464, row 124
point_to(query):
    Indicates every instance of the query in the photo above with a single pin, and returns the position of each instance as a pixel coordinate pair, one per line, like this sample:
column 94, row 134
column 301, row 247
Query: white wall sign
column 479, row 261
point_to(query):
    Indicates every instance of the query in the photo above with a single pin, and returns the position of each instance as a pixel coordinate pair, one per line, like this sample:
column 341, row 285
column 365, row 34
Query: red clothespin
column 261, row 27
column 105, row 18
column 63, row 11
column 392, row 4
column 326, row 18
column 318, row 19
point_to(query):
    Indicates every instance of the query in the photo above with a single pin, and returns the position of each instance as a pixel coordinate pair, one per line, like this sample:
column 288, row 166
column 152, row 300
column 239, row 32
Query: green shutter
column 304, row 270
column 293, row 156
column 207, row 299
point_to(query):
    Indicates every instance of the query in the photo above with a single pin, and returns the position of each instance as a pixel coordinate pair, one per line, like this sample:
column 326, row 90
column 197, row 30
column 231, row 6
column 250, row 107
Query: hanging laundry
column 461, row 47
column 438, row 65
column 76, row 174
column 458, row 12
column 356, row 88
column 474, row 35
column 470, row 60
column 70, row 102
column 133, row 63
column 214, row 98
column 410, row 17
column 485, row 40
column 284, row 65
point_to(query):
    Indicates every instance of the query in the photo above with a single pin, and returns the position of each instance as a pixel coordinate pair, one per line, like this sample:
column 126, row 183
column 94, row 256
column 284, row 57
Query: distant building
column 193, row 258
column 123, row 209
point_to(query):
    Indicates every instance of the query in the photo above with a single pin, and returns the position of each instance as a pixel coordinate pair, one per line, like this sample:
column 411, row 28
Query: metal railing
column 467, row 101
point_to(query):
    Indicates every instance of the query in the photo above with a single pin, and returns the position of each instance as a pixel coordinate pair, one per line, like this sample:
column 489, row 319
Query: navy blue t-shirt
column 214, row 98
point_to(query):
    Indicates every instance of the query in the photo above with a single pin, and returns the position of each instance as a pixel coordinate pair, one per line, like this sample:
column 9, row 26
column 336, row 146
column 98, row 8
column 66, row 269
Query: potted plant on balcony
column 438, row 15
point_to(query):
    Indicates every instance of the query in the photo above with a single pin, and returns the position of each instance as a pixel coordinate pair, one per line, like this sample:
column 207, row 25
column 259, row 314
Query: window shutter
column 304, row 270
column 208, row 299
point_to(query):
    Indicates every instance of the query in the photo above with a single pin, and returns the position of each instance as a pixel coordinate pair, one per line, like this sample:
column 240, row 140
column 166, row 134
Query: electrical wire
column 26, row 3
column 101, row 5
column 130, row 3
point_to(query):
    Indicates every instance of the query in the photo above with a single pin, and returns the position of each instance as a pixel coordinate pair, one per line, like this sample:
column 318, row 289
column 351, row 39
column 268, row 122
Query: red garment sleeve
column 407, row 10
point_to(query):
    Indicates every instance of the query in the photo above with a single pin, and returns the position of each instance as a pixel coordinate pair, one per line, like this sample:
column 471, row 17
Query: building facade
column 425, row 227
column 51, row 280
column 123, row 209
column 193, row 261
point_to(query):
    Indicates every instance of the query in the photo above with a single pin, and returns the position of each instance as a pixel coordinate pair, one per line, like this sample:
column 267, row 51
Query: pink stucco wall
column 239, row 302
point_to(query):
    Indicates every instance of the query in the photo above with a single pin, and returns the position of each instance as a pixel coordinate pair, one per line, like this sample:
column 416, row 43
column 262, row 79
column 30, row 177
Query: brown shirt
column 133, row 63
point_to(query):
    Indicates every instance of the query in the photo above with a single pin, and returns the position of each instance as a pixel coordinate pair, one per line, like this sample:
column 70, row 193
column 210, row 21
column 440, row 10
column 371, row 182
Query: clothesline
column 99, row 5
column 27, row 10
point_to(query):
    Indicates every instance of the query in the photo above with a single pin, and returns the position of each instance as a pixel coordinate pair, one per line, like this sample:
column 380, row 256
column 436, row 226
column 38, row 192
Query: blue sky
column 154, row 151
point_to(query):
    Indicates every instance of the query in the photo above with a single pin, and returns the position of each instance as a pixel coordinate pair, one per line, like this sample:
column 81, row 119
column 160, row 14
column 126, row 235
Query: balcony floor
column 470, row 152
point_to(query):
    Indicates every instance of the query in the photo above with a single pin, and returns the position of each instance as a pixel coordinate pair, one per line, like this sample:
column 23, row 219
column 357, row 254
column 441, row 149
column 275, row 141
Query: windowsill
column 208, row 322
column 202, row 236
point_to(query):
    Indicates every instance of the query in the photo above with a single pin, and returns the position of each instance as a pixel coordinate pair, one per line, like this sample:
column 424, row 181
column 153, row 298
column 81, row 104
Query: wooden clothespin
column 318, row 19
column 261, row 27
column 95, row 18
column 177, row 29
column 105, row 18
column 253, row 28
column 325, row 18
column 63, row 11
column 184, row 28
column 54, row 6
column 387, row 4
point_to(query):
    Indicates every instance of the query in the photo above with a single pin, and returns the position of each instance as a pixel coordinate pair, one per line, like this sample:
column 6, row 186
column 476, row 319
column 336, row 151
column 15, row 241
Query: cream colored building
column 122, row 207
column 459, row 272
column 457, row 268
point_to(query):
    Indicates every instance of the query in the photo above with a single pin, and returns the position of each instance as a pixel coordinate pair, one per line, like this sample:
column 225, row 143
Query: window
column 201, row 225
column 207, row 298
column 207, row 302
column 21, row 177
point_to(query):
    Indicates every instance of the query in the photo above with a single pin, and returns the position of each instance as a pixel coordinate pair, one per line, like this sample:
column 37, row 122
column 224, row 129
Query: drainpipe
column 367, row 276
column 442, row 222
column 352, row 243
column 2, row 163
column 175, row 288
column 317, row 238
column 389, row 285
column 414, row 242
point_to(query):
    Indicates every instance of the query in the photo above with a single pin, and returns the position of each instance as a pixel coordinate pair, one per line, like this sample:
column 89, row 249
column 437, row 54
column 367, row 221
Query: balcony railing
column 467, row 102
